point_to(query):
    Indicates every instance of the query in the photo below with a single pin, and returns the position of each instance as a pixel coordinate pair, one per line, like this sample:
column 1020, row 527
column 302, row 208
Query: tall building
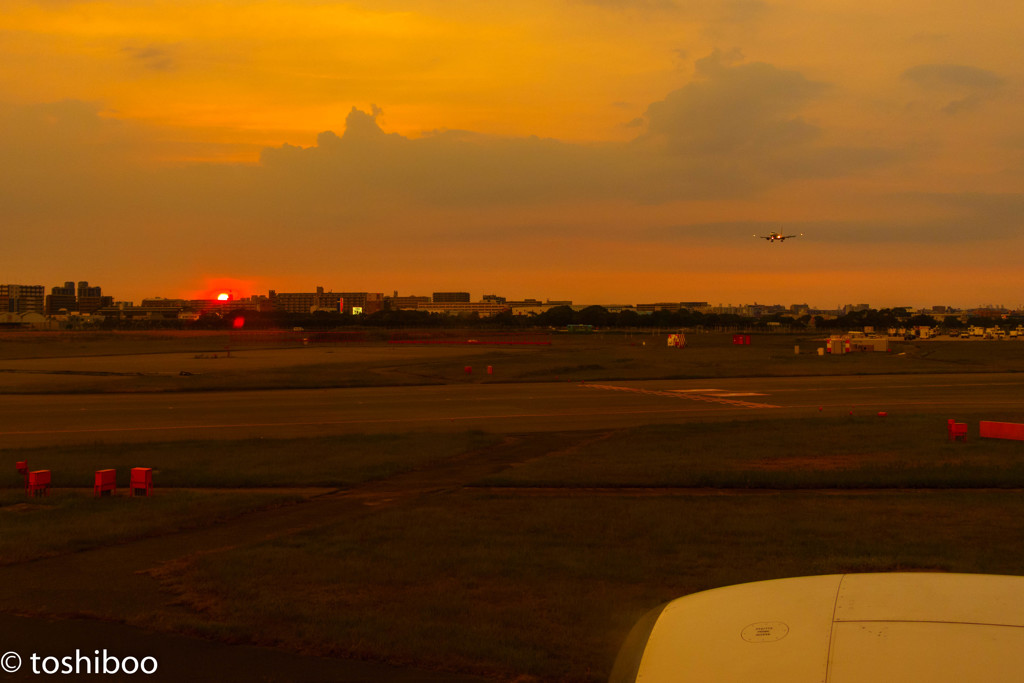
column 91, row 299
column 83, row 299
column 61, row 298
column 84, row 290
column 22, row 298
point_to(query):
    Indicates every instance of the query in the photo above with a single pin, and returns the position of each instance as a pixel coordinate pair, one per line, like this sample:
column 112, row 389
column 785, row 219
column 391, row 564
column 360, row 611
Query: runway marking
column 708, row 398
column 694, row 391
column 716, row 392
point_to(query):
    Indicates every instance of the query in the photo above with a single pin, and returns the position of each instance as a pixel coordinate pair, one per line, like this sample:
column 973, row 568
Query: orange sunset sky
column 604, row 151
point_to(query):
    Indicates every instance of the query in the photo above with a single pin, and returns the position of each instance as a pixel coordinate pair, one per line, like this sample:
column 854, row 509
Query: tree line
column 562, row 316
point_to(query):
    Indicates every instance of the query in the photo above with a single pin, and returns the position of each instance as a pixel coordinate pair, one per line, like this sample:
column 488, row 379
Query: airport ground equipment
column 141, row 483
column 38, row 483
column 105, row 483
column 956, row 431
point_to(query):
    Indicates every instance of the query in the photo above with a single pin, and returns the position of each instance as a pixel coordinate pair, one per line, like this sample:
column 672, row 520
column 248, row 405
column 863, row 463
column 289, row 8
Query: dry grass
column 506, row 584
column 152, row 362
column 545, row 582
column 341, row 460
column 864, row 452
column 73, row 520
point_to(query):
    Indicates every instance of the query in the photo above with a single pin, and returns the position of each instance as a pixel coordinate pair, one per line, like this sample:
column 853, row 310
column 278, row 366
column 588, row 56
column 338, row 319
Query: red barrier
column 22, row 467
column 1001, row 430
column 105, row 484
column 956, row 431
column 39, row 483
column 142, row 481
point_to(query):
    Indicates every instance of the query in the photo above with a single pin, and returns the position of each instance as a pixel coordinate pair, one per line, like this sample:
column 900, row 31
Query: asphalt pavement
column 37, row 420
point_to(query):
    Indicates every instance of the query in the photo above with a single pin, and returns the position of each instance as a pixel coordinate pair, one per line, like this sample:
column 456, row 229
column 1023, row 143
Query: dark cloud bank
column 733, row 131
column 736, row 130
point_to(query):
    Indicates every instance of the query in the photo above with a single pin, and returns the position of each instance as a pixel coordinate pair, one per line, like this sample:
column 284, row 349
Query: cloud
column 956, row 75
column 443, row 168
column 973, row 216
column 632, row 4
column 725, row 11
column 152, row 57
column 733, row 131
column 740, row 11
column 737, row 129
column 749, row 108
column 954, row 219
column 59, row 156
column 71, row 163
column 968, row 84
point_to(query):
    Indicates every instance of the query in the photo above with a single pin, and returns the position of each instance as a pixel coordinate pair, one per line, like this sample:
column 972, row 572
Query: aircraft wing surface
column 842, row 628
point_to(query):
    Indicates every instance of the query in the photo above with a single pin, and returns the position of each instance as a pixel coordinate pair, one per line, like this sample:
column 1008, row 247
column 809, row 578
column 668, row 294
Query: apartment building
column 305, row 302
column 22, row 299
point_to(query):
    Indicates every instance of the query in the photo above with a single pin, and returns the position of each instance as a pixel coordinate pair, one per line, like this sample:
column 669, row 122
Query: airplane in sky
column 777, row 237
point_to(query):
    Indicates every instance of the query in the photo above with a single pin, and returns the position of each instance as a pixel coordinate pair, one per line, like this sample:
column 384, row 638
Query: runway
column 40, row 420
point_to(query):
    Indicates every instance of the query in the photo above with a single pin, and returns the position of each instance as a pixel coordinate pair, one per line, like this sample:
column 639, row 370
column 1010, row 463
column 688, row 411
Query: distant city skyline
column 597, row 150
column 238, row 291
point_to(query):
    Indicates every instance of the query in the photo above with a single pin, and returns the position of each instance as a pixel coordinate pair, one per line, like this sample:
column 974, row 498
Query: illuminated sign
column 357, row 310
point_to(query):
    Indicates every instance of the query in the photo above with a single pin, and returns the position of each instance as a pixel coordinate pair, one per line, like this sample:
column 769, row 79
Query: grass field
column 548, row 586
column 522, row 557
column 841, row 453
column 69, row 521
column 251, row 463
column 135, row 362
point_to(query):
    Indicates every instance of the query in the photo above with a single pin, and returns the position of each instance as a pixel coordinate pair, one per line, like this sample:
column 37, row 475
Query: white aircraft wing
column 842, row 628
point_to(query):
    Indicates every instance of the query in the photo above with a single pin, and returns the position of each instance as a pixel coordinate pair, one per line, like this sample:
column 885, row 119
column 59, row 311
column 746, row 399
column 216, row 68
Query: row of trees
column 562, row 316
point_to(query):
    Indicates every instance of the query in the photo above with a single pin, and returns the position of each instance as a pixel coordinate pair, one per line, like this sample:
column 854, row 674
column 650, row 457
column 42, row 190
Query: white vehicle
column 840, row 628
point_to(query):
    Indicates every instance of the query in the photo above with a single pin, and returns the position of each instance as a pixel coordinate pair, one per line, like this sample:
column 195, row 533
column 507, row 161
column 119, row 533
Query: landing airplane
column 777, row 237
